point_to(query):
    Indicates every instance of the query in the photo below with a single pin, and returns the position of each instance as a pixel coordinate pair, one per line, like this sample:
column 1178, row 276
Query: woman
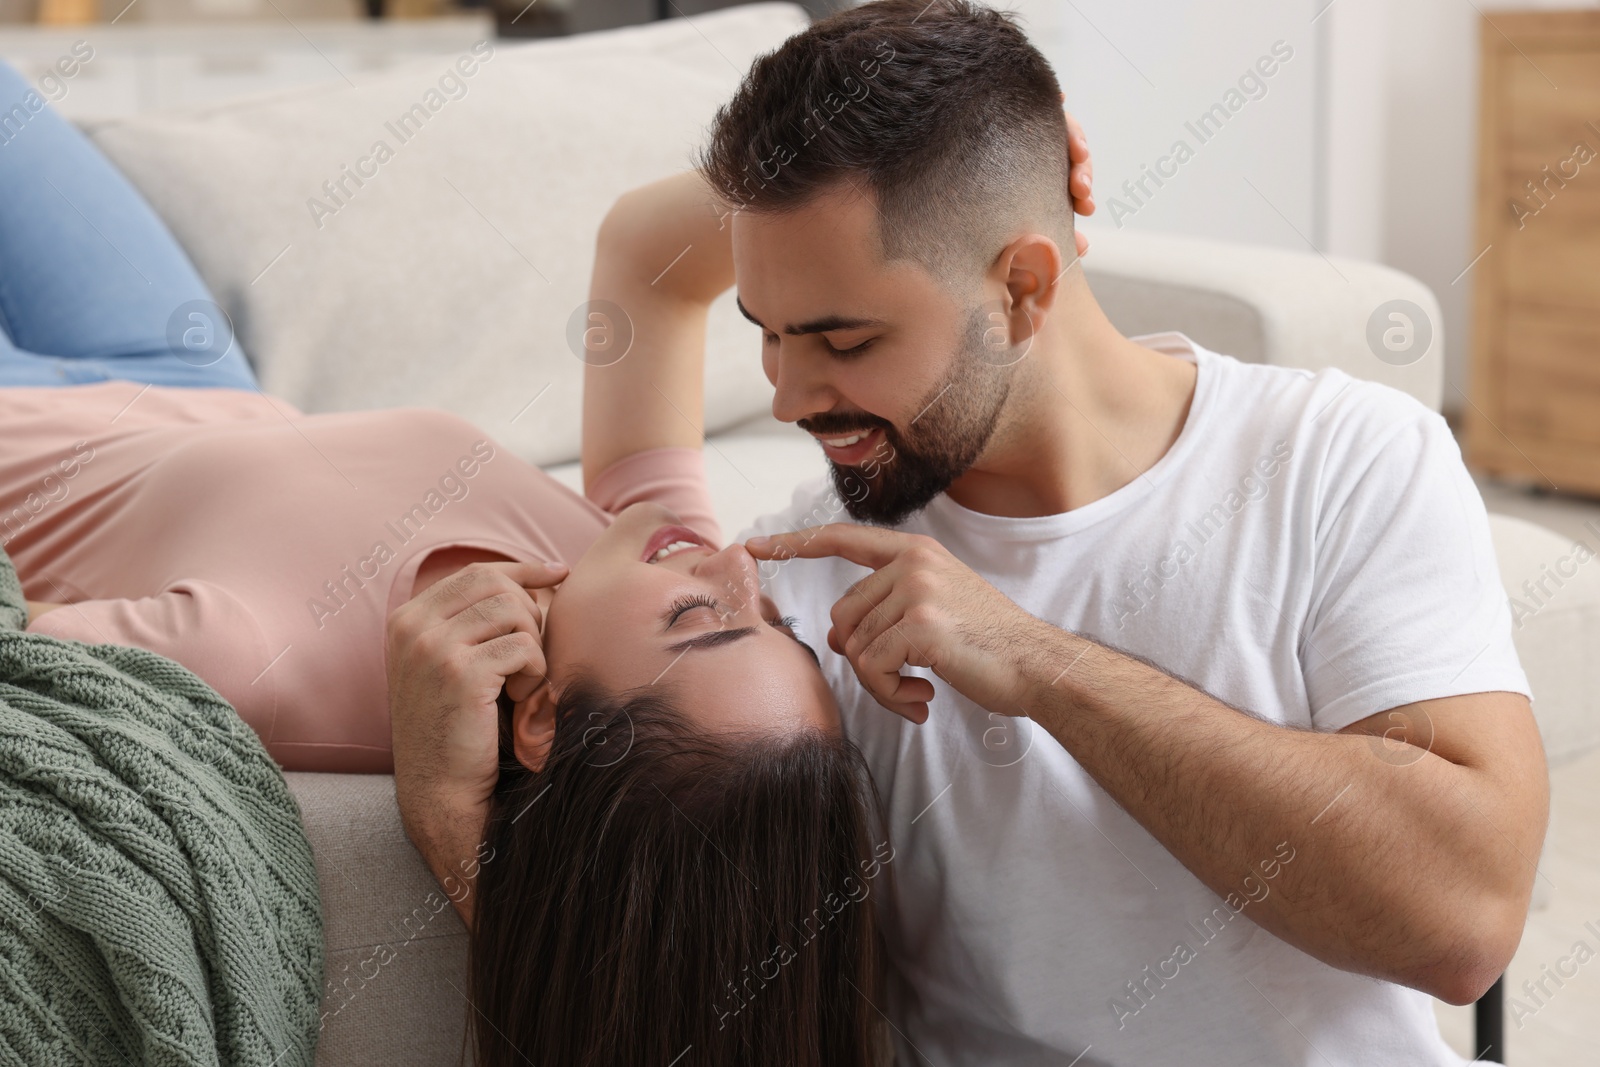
column 680, row 881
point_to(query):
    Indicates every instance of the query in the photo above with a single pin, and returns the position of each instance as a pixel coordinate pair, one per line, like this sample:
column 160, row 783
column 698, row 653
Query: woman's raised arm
column 663, row 254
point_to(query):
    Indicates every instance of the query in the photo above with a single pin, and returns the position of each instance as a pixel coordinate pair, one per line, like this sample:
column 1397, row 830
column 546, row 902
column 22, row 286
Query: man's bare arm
column 39, row 607
column 1415, row 832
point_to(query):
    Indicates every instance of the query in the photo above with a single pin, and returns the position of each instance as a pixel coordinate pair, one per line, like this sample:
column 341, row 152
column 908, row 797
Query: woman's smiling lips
column 850, row 449
column 669, row 541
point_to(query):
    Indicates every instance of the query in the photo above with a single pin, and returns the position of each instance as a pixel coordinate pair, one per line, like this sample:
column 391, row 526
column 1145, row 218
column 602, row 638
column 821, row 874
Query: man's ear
column 533, row 728
column 1034, row 267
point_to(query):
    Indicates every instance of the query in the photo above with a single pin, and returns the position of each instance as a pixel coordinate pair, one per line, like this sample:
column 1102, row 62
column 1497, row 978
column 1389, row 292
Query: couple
column 1165, row 712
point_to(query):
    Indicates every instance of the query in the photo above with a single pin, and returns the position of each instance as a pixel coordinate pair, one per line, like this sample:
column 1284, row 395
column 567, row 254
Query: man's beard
column 956, row 420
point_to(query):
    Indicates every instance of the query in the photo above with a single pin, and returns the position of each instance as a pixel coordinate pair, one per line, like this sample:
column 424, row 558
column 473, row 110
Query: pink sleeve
column 195, row 623
column 672, row 477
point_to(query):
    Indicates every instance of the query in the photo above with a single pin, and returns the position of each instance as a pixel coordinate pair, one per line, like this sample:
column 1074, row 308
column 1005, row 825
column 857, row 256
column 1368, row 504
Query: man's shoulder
column 1331, row 412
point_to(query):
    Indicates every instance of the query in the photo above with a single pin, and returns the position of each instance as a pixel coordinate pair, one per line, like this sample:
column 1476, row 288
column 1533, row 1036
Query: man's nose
column 799, row 390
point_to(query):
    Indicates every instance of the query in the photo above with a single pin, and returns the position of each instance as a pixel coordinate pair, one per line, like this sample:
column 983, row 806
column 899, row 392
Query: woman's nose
column 736, row 574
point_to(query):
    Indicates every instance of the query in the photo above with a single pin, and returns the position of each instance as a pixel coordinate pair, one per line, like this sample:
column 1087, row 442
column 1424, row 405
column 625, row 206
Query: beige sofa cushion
column 448, row 277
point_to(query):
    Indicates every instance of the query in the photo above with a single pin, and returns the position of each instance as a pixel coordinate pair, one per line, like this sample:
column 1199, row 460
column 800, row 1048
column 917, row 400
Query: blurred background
column 1364, row 142
column 1454, row 142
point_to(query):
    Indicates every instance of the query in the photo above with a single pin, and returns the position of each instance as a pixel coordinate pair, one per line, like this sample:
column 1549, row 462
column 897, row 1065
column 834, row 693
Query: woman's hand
column 1080, row 180
column 921, row 607
column 449, row 651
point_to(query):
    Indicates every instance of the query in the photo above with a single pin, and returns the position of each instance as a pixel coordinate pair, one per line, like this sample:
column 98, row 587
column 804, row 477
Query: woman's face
column 650, row 602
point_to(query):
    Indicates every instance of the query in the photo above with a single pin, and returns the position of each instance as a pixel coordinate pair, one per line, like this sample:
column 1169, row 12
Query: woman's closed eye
column 685, row 604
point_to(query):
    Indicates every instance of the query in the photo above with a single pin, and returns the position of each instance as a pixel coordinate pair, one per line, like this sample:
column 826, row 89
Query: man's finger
column 478, row 580
column 507, row 654
column 868, row 546
column 500, row 613
column 525, row 683
column 863, row 601
column 458, row 592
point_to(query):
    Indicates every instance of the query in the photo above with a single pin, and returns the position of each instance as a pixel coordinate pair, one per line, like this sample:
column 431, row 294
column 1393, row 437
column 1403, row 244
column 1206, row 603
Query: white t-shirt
column 1311, row 549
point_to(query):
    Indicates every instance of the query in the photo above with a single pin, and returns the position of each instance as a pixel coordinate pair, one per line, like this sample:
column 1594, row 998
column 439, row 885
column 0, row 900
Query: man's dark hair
column 655, row 887
column 943, row 111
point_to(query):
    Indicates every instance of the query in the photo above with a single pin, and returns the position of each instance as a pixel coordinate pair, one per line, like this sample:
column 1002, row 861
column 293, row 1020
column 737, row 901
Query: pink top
column 263, row 548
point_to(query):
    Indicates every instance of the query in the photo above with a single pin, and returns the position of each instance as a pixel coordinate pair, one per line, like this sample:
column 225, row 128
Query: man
column 1202, row 737
column 1235, row 762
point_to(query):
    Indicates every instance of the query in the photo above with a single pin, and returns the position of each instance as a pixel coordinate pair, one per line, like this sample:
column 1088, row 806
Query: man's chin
column 877, row 502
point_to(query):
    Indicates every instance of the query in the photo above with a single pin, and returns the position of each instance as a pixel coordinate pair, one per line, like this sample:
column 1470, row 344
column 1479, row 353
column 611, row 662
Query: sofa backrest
column 427, row 237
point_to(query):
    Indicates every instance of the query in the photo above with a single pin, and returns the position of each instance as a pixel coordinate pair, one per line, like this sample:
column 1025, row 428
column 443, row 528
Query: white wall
column 1365, row 143
column 1431, row 169
column 1139, row 75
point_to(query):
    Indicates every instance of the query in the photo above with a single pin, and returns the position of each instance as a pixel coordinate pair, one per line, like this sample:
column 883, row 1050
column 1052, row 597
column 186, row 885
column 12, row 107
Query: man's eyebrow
column 826, row 324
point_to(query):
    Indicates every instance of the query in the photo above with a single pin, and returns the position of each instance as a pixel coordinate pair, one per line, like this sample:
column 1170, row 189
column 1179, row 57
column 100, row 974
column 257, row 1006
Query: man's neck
column 1090, row 412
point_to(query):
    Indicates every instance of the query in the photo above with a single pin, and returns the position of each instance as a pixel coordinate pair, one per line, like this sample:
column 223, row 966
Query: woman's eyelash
column 787, row 622
column 688, row 602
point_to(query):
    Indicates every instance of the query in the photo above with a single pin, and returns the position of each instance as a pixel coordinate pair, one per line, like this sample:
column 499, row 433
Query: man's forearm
column 449, row 837
column 1389, row 858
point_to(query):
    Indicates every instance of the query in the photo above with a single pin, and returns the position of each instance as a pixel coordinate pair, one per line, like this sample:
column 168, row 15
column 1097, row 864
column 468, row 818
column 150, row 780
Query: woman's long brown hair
column 658, row 895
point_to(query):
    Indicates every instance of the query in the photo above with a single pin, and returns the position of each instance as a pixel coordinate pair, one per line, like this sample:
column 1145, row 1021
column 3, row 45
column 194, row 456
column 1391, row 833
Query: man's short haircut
column 942, row 111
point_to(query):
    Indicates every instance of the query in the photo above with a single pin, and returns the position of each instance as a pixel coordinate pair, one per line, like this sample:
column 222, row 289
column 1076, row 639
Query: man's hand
column 449, row 651
column 921, row 607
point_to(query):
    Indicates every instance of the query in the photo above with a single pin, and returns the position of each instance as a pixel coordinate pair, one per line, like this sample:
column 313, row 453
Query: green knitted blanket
column 158, row 903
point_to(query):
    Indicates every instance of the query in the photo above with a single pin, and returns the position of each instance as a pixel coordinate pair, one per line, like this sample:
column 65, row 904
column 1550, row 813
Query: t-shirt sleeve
column 672, row 477
column 1406, row 601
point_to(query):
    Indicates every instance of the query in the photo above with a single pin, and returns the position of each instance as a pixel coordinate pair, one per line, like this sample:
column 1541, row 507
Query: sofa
column 451, row 272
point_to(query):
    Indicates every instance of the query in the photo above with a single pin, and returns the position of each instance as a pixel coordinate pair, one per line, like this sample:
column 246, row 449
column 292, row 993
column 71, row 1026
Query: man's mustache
column 842, row 424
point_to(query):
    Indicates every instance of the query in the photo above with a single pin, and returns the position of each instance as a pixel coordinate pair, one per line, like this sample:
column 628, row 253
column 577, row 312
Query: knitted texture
column 158, row 902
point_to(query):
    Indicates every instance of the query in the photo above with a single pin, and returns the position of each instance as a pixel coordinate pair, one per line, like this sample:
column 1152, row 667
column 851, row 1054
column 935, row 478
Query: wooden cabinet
column 1535, row 410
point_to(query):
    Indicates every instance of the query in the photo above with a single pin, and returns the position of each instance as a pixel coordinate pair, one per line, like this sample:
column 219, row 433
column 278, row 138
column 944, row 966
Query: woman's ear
column 533, row 728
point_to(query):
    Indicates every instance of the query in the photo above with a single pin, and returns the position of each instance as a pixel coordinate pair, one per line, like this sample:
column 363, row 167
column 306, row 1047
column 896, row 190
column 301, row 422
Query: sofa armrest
column 395, row 979
column 1265, row 305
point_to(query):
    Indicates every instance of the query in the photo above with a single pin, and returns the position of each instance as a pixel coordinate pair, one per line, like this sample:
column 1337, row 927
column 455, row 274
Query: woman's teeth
column 676, row 546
